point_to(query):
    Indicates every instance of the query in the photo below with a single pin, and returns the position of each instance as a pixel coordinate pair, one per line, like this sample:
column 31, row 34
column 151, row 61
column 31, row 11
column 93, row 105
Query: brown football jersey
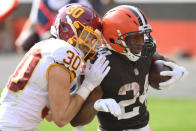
column 127, row 83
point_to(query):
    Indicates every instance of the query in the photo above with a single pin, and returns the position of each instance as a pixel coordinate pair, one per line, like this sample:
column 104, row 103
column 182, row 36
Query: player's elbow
column 60, row 121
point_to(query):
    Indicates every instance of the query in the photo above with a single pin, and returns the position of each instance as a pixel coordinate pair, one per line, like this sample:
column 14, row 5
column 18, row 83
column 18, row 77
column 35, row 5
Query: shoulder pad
column 67, row 55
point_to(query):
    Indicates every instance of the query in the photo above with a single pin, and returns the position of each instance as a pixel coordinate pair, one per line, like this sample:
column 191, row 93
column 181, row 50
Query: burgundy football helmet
column 80, row 26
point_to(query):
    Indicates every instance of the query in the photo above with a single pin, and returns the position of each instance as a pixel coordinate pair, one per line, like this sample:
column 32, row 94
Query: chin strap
column 69, row 21
column 54, row 30
column 131, row 56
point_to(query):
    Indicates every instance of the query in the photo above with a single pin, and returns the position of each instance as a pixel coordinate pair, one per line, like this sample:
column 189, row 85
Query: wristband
column 84, row 90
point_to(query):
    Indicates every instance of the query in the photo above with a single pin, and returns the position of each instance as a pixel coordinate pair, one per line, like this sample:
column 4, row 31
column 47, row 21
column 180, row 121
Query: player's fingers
column 167, row 73
column 170, row 64
column 104, row 107
column 167, row 83
column 165, row 87
column 104, row 65
column 106, row 71
column 116, row 108
column 100, row 60
column 88, row 64
column 111, row 109
column 161, row 61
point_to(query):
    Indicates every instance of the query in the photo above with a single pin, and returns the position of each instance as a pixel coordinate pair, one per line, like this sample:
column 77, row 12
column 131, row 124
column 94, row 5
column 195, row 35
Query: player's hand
column 95, row 73
column 108, row 105
column 177, row 73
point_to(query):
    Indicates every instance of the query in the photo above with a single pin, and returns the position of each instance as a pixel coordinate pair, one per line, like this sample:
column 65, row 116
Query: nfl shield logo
column 136, row 71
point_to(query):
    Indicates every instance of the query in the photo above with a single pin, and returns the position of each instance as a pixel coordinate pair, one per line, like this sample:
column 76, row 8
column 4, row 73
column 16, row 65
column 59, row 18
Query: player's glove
column 94, row 74
column 177, row 73
column 108, row 105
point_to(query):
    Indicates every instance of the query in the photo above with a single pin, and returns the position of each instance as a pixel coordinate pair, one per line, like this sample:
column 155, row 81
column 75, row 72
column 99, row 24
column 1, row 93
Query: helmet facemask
column 85, row 40
column 132, row 49
column 80, row 26
column 123, row 23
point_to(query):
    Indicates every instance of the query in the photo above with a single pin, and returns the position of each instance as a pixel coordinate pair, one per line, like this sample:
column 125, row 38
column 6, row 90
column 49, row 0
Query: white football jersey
column 24, row 100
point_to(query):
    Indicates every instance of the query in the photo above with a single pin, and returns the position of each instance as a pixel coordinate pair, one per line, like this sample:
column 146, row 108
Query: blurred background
column 174, row 29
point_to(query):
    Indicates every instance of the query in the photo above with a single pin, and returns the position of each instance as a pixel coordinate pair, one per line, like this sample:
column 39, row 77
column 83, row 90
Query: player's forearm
column 72, row 109
column 87, row 112
column 85, row 115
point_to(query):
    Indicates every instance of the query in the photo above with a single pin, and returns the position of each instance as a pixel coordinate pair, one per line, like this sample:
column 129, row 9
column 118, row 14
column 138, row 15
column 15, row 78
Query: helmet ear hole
column 111, row 40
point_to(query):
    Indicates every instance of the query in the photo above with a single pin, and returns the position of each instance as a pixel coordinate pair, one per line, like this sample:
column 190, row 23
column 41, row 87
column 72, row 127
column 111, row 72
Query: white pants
column 79, row 128
column 17, row 129
column 146, row 128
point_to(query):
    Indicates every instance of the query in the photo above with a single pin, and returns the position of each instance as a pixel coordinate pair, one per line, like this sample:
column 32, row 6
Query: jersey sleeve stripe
column 72, row 75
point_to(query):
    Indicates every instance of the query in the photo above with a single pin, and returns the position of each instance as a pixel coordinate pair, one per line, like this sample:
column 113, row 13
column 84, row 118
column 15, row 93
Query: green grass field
column 165, row 115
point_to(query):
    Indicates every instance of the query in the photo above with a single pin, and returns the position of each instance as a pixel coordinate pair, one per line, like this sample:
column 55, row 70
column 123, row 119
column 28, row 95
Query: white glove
column 177, row 73
column 94, row 74
column 108, row 105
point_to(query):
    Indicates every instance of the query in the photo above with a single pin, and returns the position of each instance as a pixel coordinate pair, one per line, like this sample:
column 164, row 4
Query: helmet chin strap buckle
column 69, row 21
column 54, row 30
column 131, row 56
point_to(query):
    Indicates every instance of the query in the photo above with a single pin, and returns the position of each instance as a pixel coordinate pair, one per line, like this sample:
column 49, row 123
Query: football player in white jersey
column 42, row 83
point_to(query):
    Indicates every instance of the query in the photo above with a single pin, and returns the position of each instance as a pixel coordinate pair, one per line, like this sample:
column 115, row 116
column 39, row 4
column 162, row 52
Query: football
column 154, row 75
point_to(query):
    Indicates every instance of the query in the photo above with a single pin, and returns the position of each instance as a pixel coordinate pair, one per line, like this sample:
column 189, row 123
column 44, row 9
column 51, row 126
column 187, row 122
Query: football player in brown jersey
column 120, row 101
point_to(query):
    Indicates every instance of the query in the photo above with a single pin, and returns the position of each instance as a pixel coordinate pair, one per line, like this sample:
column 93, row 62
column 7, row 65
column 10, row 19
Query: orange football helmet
column 126, row 21
column 80, row 26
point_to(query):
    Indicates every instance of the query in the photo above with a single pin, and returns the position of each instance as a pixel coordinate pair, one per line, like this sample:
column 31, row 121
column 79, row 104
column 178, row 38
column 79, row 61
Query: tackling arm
column 63, row 107
column 87, row 112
